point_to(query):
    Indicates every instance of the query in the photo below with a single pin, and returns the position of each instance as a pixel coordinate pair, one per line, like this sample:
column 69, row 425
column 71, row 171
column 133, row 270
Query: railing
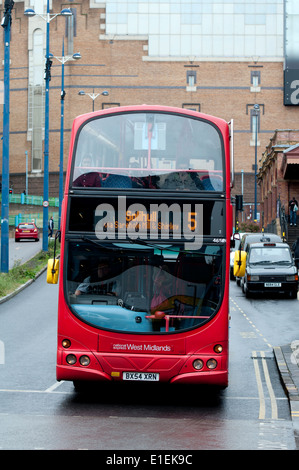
column 37, row 217
column 32, row 200
column 283, row 219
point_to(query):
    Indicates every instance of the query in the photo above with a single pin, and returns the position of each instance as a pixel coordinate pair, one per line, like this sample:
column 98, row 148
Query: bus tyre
column 80, row 386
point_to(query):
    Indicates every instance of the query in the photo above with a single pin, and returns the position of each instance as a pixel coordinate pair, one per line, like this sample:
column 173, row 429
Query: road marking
column 270, row 388
column 273, row 400
column 54, row 386
column 7, row 390
column 262, row 411
column 251, row 323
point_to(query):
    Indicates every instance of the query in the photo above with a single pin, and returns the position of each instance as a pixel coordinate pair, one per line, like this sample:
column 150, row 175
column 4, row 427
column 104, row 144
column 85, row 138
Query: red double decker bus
column 144, row 262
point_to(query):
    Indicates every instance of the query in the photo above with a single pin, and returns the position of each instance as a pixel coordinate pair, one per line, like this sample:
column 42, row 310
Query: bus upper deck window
column 150, row 148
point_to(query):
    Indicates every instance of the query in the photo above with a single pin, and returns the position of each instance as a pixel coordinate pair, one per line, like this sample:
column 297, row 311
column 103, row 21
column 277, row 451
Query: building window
column 191, row 80
column 192, row 106
column 71, row 30
column 255, row 80
column 109, row 105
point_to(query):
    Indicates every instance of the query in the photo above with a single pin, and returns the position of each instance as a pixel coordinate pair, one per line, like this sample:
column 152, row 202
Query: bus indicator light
column 218, row 348
column 66, row 343
column 115, row 374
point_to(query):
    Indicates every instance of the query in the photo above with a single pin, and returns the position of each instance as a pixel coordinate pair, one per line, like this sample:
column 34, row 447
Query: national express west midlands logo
column 150, row 222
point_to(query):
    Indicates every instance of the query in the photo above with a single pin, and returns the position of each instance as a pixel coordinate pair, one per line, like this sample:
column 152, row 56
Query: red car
column 26, row 230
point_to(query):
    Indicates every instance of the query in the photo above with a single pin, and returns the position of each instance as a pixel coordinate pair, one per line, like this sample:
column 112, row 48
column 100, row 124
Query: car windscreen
column 270, row 255
column 26, row 227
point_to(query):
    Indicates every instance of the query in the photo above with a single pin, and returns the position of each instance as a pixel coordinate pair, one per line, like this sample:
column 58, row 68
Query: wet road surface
column 36, row 412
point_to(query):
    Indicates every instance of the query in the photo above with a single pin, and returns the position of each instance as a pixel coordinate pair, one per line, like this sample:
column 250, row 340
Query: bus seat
column 90, row 180
column 212, row 182
column 117, row 181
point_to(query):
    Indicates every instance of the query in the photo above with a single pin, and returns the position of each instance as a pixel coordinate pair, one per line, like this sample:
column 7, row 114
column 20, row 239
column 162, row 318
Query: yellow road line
column 270, row 388
column 262, row 411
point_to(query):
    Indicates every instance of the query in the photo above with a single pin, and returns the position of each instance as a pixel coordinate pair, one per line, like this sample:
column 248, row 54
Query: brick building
column 219, row 57
column 279, row 175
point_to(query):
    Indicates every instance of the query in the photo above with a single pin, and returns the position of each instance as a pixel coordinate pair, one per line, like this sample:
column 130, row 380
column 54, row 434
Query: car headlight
column 294, row 277
column 253, row 278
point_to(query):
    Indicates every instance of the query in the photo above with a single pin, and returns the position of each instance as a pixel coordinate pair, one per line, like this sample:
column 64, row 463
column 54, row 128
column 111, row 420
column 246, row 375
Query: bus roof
column 146, row 108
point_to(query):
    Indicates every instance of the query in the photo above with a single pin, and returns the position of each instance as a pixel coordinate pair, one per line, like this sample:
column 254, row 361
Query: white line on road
column 53, row 387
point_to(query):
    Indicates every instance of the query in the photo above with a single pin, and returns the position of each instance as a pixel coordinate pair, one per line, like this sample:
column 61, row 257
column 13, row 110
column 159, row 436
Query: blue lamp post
column 256, row 114
column 48, row 18
column 6, row 24
column 63, row 59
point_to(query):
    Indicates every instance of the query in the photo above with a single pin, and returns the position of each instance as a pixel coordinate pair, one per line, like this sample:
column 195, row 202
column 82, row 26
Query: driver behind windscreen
column 99, row 282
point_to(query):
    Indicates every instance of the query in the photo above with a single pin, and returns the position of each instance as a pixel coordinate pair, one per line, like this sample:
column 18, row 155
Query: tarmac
column 287, row 361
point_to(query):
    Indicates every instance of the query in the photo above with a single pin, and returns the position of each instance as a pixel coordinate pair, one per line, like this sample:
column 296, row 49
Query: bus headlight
column 71, row 359
column 198, row 364
column 84, row 361
column 212, row 363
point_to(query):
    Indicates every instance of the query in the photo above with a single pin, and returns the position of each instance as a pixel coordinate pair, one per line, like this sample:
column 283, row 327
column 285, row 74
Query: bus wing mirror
column 52, row 271
column 240, row 263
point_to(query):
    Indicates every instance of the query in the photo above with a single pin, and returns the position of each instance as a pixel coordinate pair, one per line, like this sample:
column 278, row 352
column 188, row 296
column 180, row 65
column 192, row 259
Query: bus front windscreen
column 132, row 287
column 152, row 150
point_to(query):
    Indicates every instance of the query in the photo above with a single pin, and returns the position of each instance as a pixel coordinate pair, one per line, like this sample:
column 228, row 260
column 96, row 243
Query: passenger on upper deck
column 87, row 178
column 180, row 179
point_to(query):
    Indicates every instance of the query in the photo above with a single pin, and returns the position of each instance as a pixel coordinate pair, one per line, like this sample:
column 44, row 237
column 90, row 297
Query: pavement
column 287, row 360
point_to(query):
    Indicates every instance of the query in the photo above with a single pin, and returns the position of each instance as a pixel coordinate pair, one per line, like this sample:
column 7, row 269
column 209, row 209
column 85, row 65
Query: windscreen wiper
column 107, row 246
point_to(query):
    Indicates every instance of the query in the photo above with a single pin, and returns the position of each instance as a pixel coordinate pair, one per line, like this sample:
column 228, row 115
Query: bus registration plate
column 272, row 284
column 143, row 376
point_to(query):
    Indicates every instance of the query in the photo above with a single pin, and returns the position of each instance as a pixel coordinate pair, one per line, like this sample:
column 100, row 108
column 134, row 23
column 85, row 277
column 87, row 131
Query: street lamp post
column 6, row 24
column 93, row 95
column 48, row 18
column 256, row 113
column 63, row 59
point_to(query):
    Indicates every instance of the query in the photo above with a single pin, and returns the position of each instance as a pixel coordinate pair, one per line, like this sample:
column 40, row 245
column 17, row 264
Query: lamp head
column 66, row 12
column 29, row 12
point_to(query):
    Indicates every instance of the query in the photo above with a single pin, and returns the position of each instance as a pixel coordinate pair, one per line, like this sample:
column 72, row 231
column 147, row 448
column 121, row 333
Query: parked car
column 256, row 237
column 25, row 231
column 270, row 267
column 237, row 240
